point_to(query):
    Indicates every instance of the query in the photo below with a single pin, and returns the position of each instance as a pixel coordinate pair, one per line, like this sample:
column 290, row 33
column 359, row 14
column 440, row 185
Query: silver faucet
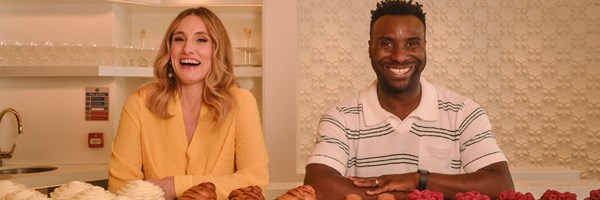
column 8, row 154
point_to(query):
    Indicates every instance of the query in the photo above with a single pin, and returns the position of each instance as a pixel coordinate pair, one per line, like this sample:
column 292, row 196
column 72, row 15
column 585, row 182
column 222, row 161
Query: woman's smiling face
column 191, row 50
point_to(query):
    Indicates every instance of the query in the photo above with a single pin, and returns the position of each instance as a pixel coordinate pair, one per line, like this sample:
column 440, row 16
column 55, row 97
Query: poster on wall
column 96, row 103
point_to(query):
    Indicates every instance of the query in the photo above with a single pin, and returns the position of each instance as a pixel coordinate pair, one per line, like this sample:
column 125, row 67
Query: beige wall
column 533, row 65
column 53, row 115
column 70, row 23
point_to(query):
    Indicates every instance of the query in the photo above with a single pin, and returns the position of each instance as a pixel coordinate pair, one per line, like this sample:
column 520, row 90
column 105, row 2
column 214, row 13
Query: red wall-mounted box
column 95, row 140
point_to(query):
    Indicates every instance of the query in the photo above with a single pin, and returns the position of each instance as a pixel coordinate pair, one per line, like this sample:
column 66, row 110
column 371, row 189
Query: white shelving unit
column 47, row 85
column 100, row 71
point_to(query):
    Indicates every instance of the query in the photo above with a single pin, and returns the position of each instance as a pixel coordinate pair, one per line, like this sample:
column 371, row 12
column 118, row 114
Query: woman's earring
column 169, row 70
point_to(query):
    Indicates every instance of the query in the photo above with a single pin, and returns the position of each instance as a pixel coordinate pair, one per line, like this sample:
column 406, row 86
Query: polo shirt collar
column 374, row 114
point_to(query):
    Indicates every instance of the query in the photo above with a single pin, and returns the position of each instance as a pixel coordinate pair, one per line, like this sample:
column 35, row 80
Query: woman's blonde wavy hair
column 217, row 82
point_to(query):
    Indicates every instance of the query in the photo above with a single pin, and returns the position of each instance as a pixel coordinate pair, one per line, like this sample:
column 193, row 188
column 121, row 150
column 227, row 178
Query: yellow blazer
column 232, row 155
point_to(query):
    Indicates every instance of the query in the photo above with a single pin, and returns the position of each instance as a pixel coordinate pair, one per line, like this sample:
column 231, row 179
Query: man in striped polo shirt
column 402, row 133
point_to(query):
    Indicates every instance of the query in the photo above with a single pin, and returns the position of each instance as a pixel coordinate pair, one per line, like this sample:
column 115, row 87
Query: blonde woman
column 193, row 124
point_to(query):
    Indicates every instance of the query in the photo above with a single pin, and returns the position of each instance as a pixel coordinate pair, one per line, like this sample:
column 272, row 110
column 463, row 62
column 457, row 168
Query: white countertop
column 64, row 174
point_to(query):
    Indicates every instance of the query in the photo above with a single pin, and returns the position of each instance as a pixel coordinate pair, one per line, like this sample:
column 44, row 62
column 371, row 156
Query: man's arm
column 489, row 180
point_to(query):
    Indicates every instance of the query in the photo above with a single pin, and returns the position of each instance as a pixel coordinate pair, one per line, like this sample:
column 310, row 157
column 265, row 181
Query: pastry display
column 8, row 187
column 25, row 194
column 202, row 191
column 386, row 196
column 94, row 193
column 594, row 195
column 247, row 193
column 556, row 195
column 425, row 195
column 141, row 190
column 303, row 192
column 514, row 195
column 470, row 195
column 69, row 190
column 122, row 198
column 352, row 197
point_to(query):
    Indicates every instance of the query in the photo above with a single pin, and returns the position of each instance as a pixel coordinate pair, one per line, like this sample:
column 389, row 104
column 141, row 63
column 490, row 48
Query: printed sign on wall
column 96, row 104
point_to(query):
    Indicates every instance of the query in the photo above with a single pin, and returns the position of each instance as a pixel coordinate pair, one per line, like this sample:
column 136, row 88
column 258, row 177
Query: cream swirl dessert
column 7, row 187
column 69, row 190
column 25, row 194
column 122, row 198
column 94, row 193
column 142, row 190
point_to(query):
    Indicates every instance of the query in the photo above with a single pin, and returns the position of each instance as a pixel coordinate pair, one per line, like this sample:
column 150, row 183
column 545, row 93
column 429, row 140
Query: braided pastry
column 247, row 193
column 303, row 192
column 202, row 191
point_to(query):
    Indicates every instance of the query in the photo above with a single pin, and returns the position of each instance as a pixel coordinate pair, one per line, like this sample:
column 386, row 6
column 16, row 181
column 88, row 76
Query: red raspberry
column 556, row 195
column 513, row 195
column 594, row 195
column 425, row 195
column 472, row 195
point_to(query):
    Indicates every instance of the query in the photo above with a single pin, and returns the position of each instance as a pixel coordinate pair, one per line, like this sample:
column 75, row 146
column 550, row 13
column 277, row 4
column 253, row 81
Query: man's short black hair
column 397, row 7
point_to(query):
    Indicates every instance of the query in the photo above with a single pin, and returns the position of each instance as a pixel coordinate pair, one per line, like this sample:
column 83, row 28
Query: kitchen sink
column 27, row 170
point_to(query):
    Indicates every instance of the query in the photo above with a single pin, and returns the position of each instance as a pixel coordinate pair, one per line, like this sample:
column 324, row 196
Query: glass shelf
column 248, row 55
column 102, row 71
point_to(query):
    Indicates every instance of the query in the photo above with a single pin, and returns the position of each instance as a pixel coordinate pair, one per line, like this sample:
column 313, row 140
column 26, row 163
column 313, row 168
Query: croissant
column 202, row 191
column 247, row 193
column 386, row 196
column 353, row 197
column 303, row 192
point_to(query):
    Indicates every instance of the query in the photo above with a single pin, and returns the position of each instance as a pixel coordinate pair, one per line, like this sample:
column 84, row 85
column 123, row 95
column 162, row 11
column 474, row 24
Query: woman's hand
column 247, row 193
column 387, row 183
column 167, row 184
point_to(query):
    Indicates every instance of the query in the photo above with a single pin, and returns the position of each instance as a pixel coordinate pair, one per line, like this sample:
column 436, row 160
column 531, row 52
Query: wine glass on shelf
column 247, row 49
column 3, row 53
column 14, row 54
column 247, row 53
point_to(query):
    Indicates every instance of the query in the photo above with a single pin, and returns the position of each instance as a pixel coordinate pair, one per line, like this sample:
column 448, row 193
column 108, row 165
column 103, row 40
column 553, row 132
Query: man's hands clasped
column 386, row 183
